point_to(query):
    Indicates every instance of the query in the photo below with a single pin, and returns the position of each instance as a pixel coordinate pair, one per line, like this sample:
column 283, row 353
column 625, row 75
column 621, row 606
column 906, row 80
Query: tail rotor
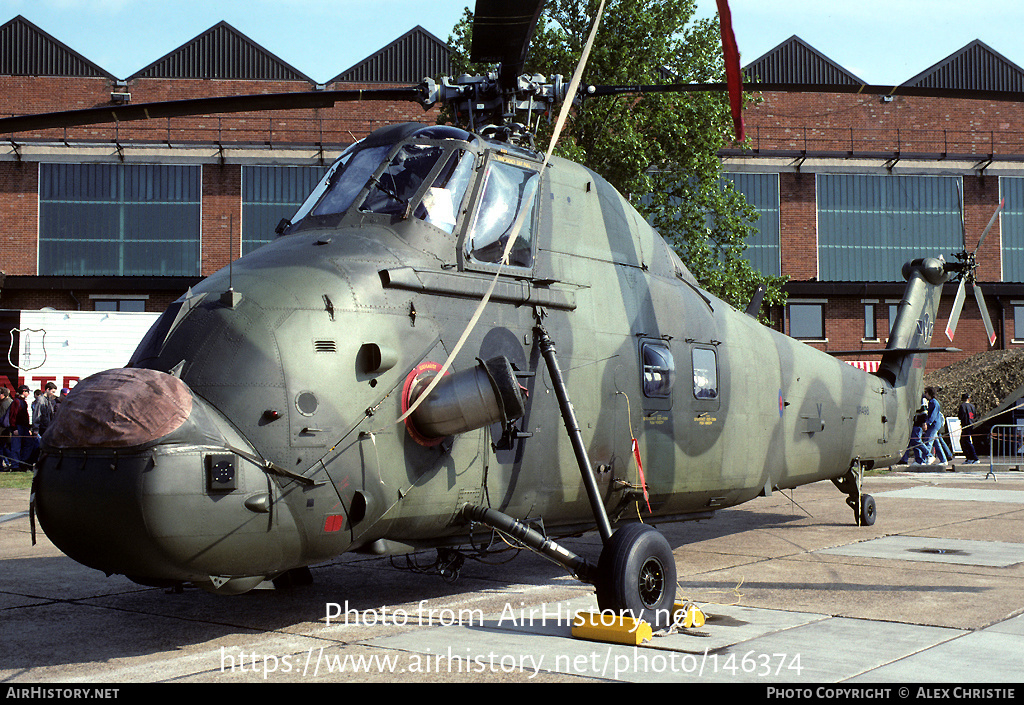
column 967, row 265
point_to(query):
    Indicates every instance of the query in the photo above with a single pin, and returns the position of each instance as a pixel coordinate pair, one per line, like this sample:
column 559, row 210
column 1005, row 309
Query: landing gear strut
column 636, row 573
column 863, row 505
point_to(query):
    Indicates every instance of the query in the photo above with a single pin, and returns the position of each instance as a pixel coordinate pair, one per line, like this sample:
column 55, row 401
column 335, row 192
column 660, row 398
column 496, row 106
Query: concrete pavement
column 794, row 592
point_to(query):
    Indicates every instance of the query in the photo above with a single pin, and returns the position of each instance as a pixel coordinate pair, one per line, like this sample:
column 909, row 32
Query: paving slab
column 936, row 550
column 956, row 494
column 788, row 583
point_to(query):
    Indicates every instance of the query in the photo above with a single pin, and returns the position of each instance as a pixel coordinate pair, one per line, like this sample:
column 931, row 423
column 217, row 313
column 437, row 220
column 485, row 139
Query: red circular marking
column 422, row 370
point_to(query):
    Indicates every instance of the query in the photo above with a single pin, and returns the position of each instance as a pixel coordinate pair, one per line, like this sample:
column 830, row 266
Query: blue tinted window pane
column 1012, row 226
column 270, row 194
column 869, row 226
column 761, row 192
column 119, row 219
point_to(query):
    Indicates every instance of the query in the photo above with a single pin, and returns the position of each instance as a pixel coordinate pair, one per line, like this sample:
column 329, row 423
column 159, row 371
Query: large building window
column 270, row 193
column 869, row 226
column 1012, row 227
column 119, row 219
column 761, row 192
column 807, row 320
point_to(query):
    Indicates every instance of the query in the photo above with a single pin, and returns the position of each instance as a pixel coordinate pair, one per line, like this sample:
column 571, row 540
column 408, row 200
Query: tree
column 660, row 150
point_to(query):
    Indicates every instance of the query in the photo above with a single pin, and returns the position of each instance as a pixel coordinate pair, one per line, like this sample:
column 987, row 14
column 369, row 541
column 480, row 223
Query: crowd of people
column 23, row 422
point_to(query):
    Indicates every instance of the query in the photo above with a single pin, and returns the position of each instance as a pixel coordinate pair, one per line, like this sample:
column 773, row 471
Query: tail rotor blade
column 954, row 315
column 991, row 222
column 989, row 330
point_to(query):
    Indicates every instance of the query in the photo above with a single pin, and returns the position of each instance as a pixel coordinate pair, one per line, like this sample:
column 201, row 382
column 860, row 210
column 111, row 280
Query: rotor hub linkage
column 482, row 103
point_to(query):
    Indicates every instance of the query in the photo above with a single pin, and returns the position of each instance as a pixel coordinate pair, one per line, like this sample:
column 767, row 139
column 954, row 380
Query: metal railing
column 1005, row 447
column 344, row 127
column 263, row 129
column 894, row 142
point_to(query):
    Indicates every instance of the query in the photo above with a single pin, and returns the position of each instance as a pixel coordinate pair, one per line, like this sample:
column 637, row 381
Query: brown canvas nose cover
column 119, row 409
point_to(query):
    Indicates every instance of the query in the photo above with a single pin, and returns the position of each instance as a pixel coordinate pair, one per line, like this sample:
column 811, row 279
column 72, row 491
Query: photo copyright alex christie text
column 905, row 692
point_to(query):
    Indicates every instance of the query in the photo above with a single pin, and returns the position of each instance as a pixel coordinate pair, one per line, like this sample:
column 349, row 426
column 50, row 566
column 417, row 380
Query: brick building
column 852, row 185
column 128, row 216
column 849, row 186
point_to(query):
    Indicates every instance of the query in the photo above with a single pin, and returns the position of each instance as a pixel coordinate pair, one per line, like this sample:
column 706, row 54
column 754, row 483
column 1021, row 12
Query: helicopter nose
column 141, row 477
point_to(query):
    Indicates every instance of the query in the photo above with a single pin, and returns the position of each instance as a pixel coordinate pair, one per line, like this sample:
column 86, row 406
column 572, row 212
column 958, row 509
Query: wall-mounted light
column 885, row 98
column 120, row 98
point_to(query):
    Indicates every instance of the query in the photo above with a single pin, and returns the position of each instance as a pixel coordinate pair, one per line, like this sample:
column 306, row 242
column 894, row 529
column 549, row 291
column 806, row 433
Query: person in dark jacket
column 5, row 430
column 968, row 415
column 22, row 441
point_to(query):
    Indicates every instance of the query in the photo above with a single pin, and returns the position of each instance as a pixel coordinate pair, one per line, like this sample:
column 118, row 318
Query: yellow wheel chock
column 621, row 629
column 609, row 627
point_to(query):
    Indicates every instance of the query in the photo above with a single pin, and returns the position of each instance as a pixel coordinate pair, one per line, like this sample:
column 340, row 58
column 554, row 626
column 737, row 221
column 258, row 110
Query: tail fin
column 903, row 361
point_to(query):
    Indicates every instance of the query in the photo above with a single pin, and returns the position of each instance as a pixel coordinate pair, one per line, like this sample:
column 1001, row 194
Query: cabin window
column 658, row 370
column 705, row 373
column 508, row 193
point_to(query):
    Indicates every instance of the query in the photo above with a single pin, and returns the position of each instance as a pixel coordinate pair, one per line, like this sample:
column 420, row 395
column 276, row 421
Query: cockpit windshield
column 390, row 178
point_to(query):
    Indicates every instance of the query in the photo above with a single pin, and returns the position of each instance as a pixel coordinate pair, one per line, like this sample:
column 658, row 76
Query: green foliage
column 660, row 150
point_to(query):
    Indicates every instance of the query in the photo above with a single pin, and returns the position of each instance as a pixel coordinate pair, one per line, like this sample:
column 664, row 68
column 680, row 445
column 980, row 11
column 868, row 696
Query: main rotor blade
column 991, row 221
column 201, row 106
column 733, row 75
column 502, row 30
column 868, row 89
column 954, row 314
column 989, row 330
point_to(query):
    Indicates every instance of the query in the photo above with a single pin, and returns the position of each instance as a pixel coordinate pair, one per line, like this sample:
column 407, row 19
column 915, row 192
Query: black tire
column 636, row 576
column 868, row 512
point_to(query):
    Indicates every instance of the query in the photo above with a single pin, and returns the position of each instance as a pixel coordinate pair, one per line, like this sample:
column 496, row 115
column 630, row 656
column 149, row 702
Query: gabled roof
column 26, row 50
column 796, row 61
column 408, row 59
column 975, row 67
column 222, row 52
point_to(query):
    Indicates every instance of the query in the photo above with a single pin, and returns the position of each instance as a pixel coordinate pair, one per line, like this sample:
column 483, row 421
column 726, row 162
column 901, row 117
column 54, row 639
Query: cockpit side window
column 392, row 191
column 508, row 191
column 345, row 183
column 443, row 199
column 325, row 182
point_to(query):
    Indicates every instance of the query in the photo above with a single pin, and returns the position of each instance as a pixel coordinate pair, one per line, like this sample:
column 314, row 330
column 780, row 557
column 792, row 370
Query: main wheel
column 636, row 575
column 868, row 512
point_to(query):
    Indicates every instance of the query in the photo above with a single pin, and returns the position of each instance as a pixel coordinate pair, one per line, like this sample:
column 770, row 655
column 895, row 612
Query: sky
column 881, row 41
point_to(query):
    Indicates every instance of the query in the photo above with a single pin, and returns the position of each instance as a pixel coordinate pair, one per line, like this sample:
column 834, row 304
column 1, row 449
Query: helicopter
column 454, row 338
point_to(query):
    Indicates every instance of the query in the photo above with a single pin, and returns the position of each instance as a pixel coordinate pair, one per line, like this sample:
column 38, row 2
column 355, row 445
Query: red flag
column 640, row 468
column 733, row 77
